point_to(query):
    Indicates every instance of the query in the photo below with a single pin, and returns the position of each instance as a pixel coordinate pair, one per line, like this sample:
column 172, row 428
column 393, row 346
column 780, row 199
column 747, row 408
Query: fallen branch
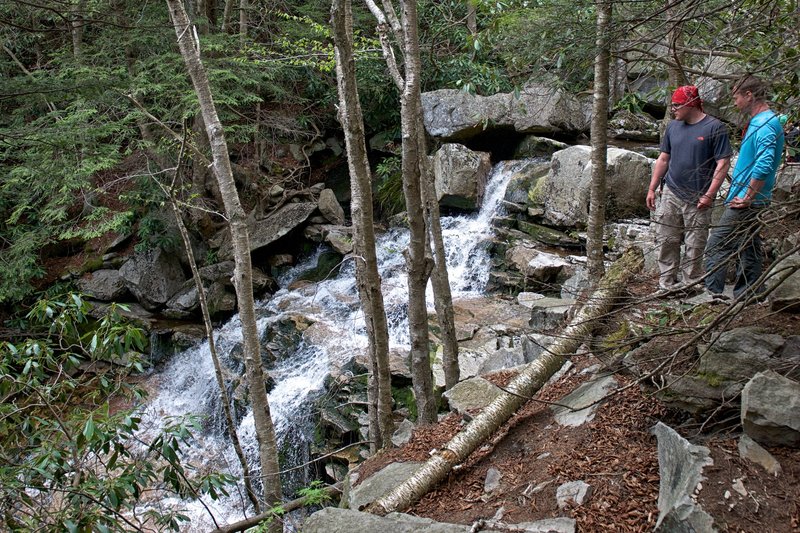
column 523, row 386
column 287, row 507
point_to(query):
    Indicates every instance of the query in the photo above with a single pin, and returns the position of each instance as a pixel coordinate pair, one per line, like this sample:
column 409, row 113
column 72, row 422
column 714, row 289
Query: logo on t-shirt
column 701, row 138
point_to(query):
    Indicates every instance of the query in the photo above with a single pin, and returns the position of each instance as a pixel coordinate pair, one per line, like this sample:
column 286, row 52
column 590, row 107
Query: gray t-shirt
column 694, row 150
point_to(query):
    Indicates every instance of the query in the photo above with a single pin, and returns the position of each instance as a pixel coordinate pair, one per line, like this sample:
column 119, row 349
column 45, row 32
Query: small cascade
column 336, row 335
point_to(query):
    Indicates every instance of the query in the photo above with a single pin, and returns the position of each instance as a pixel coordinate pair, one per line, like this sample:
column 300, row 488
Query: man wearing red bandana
column 694, row 160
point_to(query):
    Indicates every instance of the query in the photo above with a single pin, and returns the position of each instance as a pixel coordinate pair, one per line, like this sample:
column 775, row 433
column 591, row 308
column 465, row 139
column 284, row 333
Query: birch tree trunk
column 368, row 279
column 525, row 385
column 419, row 264
column 597, row 202
column 442, row 297
column 243, row 280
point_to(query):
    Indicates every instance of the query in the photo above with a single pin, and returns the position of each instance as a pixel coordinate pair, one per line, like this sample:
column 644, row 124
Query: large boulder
column 540, row 269
column 723, row 367
column 450, row 114
column 153, row 277
column 267, row 230
column 106, row 285
column 460, row 176
column 771, row 409
column 564, row 192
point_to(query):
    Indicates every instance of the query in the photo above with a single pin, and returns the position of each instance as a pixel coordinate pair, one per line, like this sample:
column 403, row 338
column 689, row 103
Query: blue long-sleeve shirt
column 759, row 158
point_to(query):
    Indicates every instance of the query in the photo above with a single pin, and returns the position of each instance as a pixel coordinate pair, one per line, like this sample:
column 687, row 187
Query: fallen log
column 522, row 387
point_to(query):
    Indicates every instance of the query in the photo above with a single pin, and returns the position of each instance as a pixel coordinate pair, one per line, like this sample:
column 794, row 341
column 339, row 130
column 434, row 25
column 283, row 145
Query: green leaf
column 89, row 429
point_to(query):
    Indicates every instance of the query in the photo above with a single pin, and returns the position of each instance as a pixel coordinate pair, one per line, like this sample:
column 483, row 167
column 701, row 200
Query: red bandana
column 687, row 95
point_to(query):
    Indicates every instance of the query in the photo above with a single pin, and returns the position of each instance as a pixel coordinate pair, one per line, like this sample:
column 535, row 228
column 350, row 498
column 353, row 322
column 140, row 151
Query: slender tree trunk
column 243, row 21
column 226, row 15
column 76, row 29
column 525, row 385
column 419, row 264
column 243, row 281
column 597, row 203
column 218, row 373
column 442, row 297
column 367, row 276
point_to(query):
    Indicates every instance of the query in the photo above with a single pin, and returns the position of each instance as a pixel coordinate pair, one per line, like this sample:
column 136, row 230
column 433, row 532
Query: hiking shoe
column 717, row 297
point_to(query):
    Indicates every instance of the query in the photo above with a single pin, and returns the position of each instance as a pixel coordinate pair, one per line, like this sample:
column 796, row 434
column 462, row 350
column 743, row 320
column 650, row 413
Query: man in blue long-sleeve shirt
column 737, row 233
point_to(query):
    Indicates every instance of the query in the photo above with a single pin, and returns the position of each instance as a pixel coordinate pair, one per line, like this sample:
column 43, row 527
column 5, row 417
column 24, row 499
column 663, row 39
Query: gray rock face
column 105, row 285
column 451, row 114
column 153, row 277
column 472, row 393
column 380, row 483
column 460, row 176
column 268, row 230
column 680, row 465
column 771, row 409
column 740, row 353
column 564, row 192
column 330, row 208
column 786, row 296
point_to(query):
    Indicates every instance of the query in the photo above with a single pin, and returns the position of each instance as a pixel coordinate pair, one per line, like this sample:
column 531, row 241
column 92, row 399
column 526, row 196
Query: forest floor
column 616, row 453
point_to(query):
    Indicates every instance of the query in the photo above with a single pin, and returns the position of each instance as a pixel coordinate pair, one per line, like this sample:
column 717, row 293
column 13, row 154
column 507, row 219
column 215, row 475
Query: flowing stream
column 187, row 383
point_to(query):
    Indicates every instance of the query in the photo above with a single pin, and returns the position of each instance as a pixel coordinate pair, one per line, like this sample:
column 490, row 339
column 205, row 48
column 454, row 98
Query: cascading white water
column 188, row 381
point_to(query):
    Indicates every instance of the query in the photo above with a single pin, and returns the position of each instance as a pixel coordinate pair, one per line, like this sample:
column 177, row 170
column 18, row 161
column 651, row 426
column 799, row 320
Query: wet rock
column 771, row 410
column 460, row 176
column 680, row 465
column 523, row 180
column 539, row 268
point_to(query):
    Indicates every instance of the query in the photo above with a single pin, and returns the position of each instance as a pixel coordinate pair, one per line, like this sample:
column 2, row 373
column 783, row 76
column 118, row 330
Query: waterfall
column 188, row 383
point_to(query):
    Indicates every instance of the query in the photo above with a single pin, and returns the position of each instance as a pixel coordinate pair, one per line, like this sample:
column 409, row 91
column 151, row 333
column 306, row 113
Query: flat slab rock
column 335, row 520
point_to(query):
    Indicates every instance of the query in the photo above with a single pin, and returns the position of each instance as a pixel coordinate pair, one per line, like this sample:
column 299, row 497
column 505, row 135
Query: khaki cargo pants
column 675, row 218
